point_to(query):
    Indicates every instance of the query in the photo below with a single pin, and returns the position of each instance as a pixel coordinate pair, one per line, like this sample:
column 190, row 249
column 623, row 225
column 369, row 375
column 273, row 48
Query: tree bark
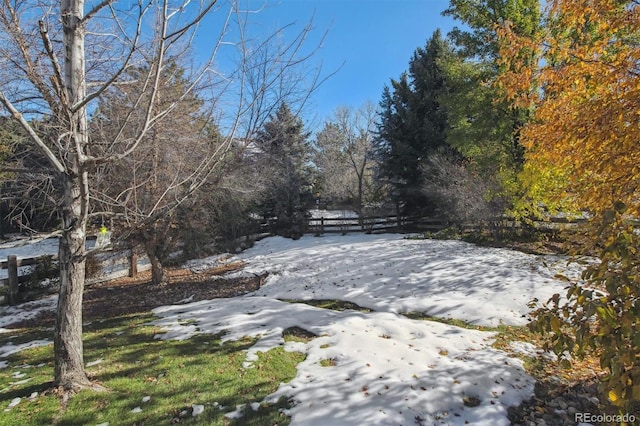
column 68, row 348
column 157, row 274
column 153, row 248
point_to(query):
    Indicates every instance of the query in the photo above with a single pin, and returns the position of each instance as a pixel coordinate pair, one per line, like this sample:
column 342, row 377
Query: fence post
column 12, row 266
column 133, row 265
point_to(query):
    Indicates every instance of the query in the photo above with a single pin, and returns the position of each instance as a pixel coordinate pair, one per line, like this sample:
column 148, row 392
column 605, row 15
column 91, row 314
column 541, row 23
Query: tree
column 581, row 150
column 461, row 194
column 484, row 124
column 57, row 61
column 344, row 155
column 479, row 40
column 139, row 191
column 582, row 142
column 29, row 201
column 285, row 147
column 413, row 122
column 330, row 162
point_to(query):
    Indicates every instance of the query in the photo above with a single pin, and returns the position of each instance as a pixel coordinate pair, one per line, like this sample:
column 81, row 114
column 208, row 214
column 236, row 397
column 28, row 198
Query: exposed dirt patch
column 134, row 295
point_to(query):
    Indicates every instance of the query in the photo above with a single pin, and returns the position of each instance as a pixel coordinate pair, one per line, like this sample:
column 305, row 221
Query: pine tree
column 413, row 122
column 286, row 150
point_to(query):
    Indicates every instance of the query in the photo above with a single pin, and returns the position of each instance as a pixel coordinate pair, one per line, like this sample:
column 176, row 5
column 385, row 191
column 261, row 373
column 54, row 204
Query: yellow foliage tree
column 582, row 150
column 582, row 144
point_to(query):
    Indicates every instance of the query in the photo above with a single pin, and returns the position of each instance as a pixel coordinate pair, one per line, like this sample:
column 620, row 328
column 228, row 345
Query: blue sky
column 367, row 41
column 374, row 39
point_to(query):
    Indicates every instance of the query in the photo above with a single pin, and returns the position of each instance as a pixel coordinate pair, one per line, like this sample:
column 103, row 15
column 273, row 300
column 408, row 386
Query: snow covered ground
column 381, row 368
column 333, row 214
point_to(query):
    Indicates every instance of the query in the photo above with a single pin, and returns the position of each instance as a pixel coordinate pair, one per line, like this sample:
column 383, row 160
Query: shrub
column 45, row 276
column 601, row 314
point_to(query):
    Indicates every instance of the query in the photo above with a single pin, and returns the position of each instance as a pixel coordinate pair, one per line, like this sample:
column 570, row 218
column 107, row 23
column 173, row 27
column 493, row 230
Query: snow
column 197, row 410
column 28, row 248
column 9, row 348
column 96, row 362
column 376, row 367
column 333, row 214
column 25, row 311
column 448, row 279
column 382, row 367
column 24, row 249
column 113, row 264
column 13, row 403
column 237, row 413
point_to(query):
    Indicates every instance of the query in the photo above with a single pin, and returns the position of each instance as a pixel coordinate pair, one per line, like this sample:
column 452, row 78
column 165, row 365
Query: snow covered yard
column 382, row 367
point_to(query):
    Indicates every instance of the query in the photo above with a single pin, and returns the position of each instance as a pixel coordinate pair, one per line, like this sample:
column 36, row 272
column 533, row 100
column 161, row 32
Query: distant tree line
column 442, row 141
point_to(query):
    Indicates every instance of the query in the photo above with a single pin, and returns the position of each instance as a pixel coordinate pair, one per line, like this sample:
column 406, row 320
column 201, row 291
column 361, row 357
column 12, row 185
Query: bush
column 601, row 314
column 45, row 276
column 461, row 195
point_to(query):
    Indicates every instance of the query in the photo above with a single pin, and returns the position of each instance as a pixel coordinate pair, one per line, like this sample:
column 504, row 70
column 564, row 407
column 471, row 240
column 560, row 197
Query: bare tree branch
column 32, row 133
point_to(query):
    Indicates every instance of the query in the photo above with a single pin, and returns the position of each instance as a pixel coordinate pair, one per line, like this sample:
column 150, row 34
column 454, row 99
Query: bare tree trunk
column 359, row 198
column 157, row 273
column 68, row 348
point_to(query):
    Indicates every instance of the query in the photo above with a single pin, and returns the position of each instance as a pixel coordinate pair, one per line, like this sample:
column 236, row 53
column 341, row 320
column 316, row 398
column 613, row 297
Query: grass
column 124, row 357
column 132, row 364
column 333, row 304
column 297, row 334
column 448, row 321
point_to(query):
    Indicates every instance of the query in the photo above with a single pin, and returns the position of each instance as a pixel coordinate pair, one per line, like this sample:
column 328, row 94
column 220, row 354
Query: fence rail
column 115, row 264
column 14, row 279
column 108, row 265
column 322, row 225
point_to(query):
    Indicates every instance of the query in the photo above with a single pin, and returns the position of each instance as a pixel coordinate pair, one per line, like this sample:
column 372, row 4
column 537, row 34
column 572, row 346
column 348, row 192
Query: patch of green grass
column 297, row 334
column 448, row 321
column 328, row 362
column 333, row 304
column 132, row 365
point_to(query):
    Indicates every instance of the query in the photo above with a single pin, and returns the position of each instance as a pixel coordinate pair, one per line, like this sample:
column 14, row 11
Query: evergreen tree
column 331, row 162
column 413, row 122
column 484, row 125
column 286, row 150
column 479, row 41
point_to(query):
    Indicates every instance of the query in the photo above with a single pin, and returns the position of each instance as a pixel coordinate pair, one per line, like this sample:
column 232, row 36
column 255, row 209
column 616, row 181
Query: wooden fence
column 344, row 225
column 108, row 265
column 14, row 279
column 112, row 264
